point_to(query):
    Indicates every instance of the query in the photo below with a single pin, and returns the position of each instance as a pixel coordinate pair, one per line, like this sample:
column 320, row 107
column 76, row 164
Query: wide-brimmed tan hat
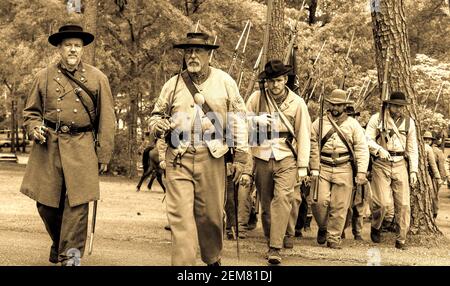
column 428, row 135
column 196, row 40
column 338, row 96
column 70, row 31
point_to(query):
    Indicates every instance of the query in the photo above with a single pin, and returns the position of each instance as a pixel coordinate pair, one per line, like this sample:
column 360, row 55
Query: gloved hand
column 413, row 178
column 383, row 154
column 162, row 126
column 246, row 180
column 39, row 134
column 265, row 119
column 361, row 179
column 236, row 170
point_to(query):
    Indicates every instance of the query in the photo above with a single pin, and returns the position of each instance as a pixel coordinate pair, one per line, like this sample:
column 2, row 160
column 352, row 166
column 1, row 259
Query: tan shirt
column 355, row 136
column 431, row 161
column 402, row 143
column 440, row 161
column 222, row 95
column 296, row 111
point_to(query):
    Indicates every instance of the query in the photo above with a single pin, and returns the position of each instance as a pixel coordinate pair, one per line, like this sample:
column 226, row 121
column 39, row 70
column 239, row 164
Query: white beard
column 72, row 61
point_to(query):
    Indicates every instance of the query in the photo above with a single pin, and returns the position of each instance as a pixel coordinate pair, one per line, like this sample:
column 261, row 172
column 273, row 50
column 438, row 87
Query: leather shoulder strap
column 193, row 90
column 81, row 85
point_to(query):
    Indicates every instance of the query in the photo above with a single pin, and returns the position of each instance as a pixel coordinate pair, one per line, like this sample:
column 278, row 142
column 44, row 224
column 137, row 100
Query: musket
column 384, row 97
column 251, row 84
column 196, row 26
column 437, row 98
column 308, row 81
column 236, row 49
column 293, row 37
column 241, row 67
column 212, row 51
column 346, row 61
column 319, row 145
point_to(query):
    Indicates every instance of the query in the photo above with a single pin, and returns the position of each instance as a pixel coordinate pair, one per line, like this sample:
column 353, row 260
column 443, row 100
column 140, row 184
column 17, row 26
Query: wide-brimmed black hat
column 398, row 98
column 196, row 40
column 338, row 96
column 350, row 110
column 273, row 69
column 70, row 31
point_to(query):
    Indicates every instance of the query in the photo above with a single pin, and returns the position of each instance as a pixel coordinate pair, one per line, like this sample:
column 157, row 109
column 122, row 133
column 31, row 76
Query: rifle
column 437, row 98
column 212, row 51
column 308, row 81
column 241, row 69
column 196, row 26
column 319, row 145
column 346, row 61
column 251, row 84
column 384, row 96
column 293, row 37
column 235, row 52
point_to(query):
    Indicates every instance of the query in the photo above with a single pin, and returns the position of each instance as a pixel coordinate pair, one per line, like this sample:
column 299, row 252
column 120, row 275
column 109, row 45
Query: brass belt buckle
column 65, row 129
column 334, row 156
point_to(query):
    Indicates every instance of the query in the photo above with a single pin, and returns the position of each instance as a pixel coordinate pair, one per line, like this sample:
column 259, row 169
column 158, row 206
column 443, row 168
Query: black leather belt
column 335, row 155
column 393, row 153
column 277, row 135
column 333, row 164
column 66, row 128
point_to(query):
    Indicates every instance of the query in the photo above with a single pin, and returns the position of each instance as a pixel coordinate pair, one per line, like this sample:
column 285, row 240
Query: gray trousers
column 67, row 227
column 275, row 181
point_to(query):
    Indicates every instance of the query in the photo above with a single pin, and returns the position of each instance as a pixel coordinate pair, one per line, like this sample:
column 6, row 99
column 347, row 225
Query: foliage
column 135, row 38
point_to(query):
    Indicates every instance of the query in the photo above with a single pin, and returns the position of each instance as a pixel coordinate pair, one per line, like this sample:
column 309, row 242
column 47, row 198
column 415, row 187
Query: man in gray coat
column 72, row 123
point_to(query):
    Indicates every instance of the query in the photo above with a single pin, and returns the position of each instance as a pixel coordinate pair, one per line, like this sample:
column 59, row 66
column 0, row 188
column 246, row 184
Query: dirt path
column 130, row 231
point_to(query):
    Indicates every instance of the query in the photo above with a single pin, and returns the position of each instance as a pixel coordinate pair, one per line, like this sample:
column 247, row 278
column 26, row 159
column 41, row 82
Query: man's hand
column 162, row 165
column 265, row 119
column 383, row 154
column 246, row 180
column 439, row 181
column 161, row 127
column 39, row 133
column 361, row 179
column 302, row 175
column 413, row 178
column 237, row 169
column 102, row 168
column 314, row 173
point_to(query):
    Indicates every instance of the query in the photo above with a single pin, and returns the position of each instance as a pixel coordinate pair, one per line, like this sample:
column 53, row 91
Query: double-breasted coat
column 65, row 159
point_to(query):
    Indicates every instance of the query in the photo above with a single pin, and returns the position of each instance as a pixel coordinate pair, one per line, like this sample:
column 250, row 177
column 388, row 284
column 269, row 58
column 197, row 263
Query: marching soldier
column 279, row 160
column 391, row 166
column 195, row 164
column 434, row 176
column 344, row 155
column 355, row 214
column 69, row 113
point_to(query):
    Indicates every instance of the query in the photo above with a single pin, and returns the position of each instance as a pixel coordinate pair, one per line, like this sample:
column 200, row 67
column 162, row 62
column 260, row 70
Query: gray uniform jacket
column 70, row 159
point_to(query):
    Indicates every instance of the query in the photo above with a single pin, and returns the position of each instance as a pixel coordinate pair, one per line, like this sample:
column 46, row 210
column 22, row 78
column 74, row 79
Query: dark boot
column 308, row 223
column 400, row 245
column 322, row 236
column 333, row 245
column 298, row 233
column 215, row 264
column 53, row 255
column 375, row 235
column 273, row 256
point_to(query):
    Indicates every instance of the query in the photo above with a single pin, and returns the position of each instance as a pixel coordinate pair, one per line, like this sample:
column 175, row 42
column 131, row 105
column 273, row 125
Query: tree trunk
column 389, row 30
column 276, row 44
column 90, row 25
